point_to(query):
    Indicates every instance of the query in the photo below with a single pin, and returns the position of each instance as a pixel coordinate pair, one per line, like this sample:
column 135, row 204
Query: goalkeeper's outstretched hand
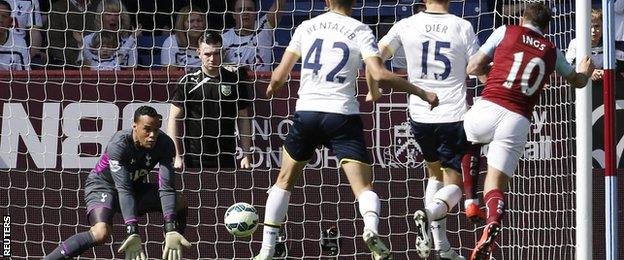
column 132, row 247
column 173, row 246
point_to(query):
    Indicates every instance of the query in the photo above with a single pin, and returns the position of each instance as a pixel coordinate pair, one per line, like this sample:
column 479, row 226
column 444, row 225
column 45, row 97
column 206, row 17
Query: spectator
column 68, row 20
column 180, row 49
column 596, row 45
column 13, row 49
column 112, row 16
column 251, row 41
column 211, row 101
column 27, row 22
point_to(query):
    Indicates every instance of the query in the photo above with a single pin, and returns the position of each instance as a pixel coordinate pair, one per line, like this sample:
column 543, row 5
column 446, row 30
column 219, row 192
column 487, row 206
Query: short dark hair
column 211, row 38
column 6, row 4
column 146, row 111
column 537, row 14
column 343, row 3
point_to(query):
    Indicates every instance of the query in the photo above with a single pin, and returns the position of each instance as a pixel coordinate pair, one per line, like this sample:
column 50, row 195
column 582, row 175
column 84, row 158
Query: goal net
column 56, row 123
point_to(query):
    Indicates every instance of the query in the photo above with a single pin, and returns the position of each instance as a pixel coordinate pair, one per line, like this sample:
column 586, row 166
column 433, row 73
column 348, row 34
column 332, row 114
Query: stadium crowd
column 123, row 34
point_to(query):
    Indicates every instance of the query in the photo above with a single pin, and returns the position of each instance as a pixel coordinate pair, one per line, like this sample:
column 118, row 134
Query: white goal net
column 56, row 123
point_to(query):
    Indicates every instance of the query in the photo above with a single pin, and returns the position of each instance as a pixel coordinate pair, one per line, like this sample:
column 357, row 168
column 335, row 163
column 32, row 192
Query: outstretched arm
column 280, row 75
column 386, row 78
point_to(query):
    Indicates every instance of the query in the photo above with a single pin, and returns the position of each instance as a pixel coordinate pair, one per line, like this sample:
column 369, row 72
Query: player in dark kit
column 118, row 183
column 523, row 60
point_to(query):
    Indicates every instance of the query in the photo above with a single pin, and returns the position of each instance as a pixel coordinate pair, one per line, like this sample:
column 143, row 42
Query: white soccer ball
column 241, row 219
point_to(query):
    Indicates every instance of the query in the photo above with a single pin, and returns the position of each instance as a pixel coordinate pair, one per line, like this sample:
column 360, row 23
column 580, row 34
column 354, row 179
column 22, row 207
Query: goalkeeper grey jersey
column 124, row 165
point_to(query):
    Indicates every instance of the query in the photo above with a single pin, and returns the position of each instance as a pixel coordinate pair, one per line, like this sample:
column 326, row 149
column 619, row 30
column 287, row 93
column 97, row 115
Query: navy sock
column 73, row 246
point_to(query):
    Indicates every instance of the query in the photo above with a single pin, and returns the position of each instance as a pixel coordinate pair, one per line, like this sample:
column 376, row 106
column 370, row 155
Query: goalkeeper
column 119, row 183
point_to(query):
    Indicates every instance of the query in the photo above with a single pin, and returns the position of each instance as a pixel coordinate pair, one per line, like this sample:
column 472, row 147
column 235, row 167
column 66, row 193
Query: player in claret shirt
column 523, row 60
column 119, row 183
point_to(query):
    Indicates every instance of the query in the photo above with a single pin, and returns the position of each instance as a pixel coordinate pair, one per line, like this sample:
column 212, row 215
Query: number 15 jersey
column 332, row 47
column 437, row 48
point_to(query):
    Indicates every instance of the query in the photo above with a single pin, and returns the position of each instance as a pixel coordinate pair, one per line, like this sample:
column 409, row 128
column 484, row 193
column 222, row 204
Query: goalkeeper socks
column 370, row 207
column 181, row 216
column 443, row 201
column 470, row 170
column 494, row 201
column 432, row 187
column 276, row 209
column 438, row 230
column 73, row 246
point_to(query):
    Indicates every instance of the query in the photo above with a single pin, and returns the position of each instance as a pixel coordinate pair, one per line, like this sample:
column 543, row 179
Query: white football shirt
column 26, row 14
column 14, row 53
column 172, row 55
column 255, row 50
column 332, row 47
column 437, row 49
column 125, row 56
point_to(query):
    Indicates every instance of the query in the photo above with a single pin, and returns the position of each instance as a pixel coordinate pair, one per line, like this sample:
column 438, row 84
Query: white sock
column 370, row 207
column 443, row 201
column 467, row 202
column 432, row 187
column 438, row 230
column 276, row 209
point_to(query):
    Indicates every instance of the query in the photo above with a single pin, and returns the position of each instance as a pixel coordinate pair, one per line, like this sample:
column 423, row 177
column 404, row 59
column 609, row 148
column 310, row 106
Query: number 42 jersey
column 332, row 47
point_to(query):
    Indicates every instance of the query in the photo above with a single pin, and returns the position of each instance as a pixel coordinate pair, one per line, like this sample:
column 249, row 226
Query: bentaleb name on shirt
column 341, row 28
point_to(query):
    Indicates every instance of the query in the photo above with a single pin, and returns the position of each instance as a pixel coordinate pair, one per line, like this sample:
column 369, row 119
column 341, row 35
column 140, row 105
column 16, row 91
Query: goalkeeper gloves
column 132, row 247
column 173, row 246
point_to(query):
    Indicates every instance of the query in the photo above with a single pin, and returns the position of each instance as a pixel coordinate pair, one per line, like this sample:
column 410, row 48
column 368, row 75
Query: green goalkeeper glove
column 132, row 247
column 173, row 246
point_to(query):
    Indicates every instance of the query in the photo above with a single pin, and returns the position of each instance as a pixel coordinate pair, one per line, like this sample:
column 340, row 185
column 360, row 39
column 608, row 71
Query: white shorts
column 505, row 131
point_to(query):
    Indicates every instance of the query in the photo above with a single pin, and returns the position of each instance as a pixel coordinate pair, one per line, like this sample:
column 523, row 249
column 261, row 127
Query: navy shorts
column 443, row 142
column 102, row 205
column 341, row 133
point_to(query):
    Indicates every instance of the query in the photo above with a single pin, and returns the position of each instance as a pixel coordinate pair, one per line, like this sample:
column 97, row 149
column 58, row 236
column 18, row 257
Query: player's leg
column 298, row 148
column 450, row 149
column 503, row 155
column 100, row 214
column 470, row 170
column 346, row 139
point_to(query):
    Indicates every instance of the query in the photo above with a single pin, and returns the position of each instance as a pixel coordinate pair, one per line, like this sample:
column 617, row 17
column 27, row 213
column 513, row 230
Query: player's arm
column 380, row 75
column 175, row 113
column 373, row 86
column 244, row 116
column 280, row 74
column 275, row 13
column 125, row 192
column 578, row 78
column 244, row 126
column 174, row 241
column 479, row 64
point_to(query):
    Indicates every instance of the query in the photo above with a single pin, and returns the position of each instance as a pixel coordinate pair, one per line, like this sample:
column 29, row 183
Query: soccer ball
column 241, row 219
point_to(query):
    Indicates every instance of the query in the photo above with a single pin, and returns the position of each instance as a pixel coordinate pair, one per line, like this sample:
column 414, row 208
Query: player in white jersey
column 250, row 42
column 332, row 47
column 437, row 48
